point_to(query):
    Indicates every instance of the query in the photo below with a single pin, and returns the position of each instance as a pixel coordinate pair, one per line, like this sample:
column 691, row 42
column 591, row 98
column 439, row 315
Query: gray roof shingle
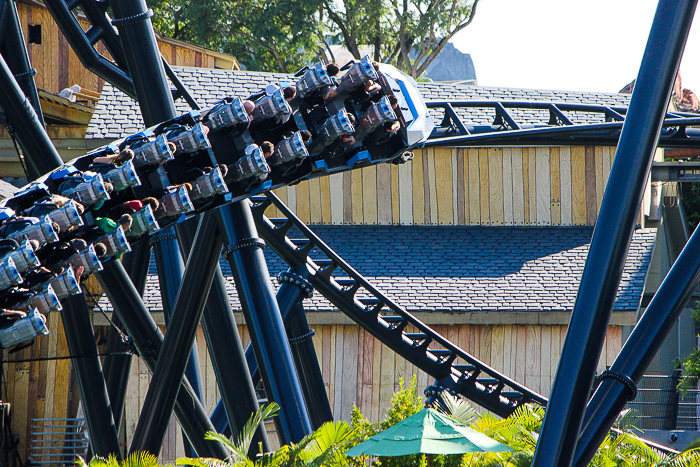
column 117, row 115
column 455, row 269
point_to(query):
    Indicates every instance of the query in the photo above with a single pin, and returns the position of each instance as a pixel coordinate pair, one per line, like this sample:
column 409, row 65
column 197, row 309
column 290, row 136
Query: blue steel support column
column 88, row 371
column 141, row 327
column 243, row 251
column 143, row 58
column 171, row 269
column 294, row 288
column 613, row 233
column 642, row 345
column 171, row 364
column 227, row 356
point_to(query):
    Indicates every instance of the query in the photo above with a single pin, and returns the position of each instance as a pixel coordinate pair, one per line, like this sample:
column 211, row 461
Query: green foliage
column 459, row 409
column 689, row 194
column 324, row 446
column 691, row 371
column 404, row 403
column 265, row 35
column 135, row 459
column 520, row 431
column 691, row 363
column 283, row 35
column 409, row 34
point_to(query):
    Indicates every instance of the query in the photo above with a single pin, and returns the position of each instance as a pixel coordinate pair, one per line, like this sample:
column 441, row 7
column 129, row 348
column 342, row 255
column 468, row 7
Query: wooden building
column 547, row 197
column 58, row 68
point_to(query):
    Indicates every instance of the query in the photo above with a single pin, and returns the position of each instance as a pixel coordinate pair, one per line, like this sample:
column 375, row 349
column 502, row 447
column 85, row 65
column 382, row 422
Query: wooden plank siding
column 58, row 67
column 491, row 187
column 357, row 369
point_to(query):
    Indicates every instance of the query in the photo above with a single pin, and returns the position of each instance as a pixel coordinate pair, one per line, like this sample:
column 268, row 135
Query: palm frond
column 457, row 408
column 110, row 461
column 245, row 437
column 239, row 449
column 140, row 459
column 202, row 462
column 695, row 445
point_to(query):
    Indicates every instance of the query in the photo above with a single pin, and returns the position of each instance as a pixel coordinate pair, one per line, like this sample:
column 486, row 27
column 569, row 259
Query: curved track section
column 395, row 327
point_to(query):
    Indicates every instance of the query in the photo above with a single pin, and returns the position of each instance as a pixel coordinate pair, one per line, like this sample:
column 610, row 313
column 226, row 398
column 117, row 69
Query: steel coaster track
column 385, row 319
column 555, row 125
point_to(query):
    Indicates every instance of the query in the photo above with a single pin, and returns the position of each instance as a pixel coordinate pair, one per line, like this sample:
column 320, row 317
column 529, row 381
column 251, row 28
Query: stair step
column 464, row 368
column 323, row 262
column 416, row 336
column 369, row 301
column 512, row 395
column 488, row 381
column 345, row 281
column 278, row 220
column 258, row 199
column 440, row 352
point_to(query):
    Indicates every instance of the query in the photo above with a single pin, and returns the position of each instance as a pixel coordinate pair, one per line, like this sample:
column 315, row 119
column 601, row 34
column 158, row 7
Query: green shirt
column 106, row 224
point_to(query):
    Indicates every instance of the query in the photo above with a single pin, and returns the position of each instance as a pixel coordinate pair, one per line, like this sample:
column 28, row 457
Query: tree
column 266, row 35
column 408, row 33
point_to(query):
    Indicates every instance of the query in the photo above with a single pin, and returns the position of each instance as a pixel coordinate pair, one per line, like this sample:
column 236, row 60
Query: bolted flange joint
column 297, row 280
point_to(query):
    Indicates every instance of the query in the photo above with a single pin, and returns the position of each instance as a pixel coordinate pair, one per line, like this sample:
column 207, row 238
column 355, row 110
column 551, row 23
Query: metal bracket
column 297, row 280
column 303, row 338
column 132, row 19
column 161, row 236
column 624, row 379
column 27, row 74
column 245, row 243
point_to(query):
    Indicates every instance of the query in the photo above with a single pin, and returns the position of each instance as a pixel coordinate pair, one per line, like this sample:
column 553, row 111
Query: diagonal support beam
column 117, row 363
column 14, row 51
column 141, row 327
column 39, row 152
column 238, row 397
column 172, row 361
column 88, row 371
column 639, row 350
column 613, row 234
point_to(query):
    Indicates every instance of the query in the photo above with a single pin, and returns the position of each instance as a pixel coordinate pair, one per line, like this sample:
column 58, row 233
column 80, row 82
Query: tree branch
column 441, row 45
column 348, row 36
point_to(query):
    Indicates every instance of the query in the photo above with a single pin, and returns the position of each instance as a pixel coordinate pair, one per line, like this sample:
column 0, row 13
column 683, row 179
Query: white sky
column 592, row 45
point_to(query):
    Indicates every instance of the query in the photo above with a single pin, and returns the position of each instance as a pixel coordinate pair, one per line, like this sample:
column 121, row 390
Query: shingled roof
column 117, row 115
column 458, row 269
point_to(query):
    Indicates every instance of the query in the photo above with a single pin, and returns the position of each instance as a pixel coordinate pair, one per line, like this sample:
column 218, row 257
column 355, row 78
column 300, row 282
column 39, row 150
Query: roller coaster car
column 45, row 300
column 143, row 221
column 32, row 228
column 9, row 274
column 179, row 161
column 63, row 284
column 25, row 329
column 23, row 255
column 66, row 216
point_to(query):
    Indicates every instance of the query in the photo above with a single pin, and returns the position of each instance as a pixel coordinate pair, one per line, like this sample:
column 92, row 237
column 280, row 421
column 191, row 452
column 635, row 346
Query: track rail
column 551, row 123
column 385, row 319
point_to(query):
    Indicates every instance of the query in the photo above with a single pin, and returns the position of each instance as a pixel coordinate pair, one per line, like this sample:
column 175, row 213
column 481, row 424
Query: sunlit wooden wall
column 456, row 186
column 58, row 67
column 357, row 370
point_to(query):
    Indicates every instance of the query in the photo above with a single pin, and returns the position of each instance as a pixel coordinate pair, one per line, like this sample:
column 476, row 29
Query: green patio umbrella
column 427, row 432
